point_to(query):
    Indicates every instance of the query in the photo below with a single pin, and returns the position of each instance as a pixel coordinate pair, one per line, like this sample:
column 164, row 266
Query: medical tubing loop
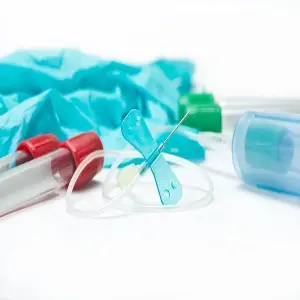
column 132, row 154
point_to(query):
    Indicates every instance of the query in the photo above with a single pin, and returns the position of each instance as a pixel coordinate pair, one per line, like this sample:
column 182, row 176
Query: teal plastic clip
column 137, row 133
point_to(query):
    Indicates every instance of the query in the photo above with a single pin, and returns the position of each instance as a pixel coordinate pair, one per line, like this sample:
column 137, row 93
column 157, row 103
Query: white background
column 244, row 245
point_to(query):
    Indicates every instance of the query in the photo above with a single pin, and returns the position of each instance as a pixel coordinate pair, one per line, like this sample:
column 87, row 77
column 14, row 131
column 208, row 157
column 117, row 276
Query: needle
column 173, row 131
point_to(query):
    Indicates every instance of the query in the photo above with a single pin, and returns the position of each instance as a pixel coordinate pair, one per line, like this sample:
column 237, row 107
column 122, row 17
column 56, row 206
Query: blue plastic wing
column 137, row 133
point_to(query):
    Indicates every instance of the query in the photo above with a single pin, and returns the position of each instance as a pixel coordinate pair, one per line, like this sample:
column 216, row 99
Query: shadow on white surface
column 32, row 204
column 143, row 199
column 271, row 195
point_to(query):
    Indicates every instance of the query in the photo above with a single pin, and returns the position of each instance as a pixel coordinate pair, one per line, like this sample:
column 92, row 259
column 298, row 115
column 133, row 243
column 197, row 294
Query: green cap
column 205, row 113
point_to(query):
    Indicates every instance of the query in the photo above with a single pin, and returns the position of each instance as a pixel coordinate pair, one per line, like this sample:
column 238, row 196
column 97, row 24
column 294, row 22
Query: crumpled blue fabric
column 67, row 92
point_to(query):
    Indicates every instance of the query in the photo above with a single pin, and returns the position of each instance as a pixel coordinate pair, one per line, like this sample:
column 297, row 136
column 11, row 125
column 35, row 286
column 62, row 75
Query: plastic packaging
column 36, row 180
column 28, row 150
column 266, row 151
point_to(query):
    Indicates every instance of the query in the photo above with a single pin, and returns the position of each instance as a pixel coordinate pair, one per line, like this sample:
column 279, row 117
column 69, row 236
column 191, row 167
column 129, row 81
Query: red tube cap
column 81, row 146
column 39, row 145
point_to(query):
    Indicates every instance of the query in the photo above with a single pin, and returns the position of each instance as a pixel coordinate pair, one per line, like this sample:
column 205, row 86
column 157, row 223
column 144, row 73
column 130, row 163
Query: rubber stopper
column 39, row 145
column 81, row 146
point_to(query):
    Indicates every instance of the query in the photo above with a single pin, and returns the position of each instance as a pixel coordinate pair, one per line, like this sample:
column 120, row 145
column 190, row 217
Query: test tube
column 43, row 177
column 218, row 114
column 28, row 150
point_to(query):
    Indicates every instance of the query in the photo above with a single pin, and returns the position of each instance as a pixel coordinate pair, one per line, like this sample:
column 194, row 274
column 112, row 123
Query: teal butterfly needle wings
column 137, row 133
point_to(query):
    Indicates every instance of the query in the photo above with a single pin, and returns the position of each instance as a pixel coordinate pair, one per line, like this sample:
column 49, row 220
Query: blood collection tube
column 28, row 150
column 38, row 179
column 216, row 113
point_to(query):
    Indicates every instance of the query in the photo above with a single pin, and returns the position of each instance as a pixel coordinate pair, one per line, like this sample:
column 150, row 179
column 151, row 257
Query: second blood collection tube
column 218, row 114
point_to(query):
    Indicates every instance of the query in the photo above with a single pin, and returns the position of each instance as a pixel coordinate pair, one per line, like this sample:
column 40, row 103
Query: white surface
column 244, row 245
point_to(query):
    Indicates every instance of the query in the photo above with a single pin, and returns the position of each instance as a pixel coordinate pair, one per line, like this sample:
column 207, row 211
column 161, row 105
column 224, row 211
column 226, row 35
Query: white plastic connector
column 127, row 174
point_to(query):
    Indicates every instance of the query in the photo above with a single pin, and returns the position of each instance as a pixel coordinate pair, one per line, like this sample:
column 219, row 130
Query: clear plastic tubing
column 38, row 179
column 28, row 150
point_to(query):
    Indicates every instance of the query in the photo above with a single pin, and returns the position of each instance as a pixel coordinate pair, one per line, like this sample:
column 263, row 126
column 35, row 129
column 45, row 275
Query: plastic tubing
column 204, row 200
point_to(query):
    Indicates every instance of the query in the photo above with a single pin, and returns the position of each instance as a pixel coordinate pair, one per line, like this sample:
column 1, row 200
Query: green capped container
column 205, row 113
